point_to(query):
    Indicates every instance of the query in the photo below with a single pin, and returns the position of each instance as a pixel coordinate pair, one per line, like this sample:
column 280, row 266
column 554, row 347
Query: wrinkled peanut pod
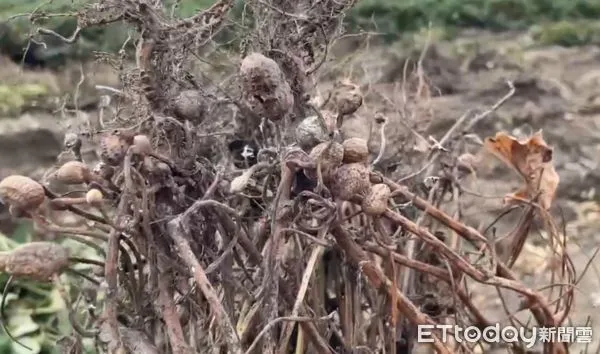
column 113, row 149
column 73, row 172
column 311, row 132
column 265, row 87
column 350, row 181
column 376, row 201
column 330, row 154
column 35, row 260
column 355, row 150
column 23, row 193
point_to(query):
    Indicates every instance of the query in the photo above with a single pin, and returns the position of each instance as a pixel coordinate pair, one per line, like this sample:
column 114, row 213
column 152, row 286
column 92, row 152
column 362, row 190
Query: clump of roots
column 234, row 216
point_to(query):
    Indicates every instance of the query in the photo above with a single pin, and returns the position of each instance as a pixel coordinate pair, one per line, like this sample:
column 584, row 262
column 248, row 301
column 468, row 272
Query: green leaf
column 9, row 297
column 31, row 342
column 56, row 304
column 89, row 345
column 22, row 233
column 22, row 324
column 5, row 343
column 63, row 324
column 6, row 244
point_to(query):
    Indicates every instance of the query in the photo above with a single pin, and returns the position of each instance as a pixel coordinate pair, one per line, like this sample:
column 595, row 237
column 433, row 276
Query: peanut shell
column 22, row 192
column 355, row 150
column 376, row 201
column 35, row 260
column 73, row 172
column 350, row 180
column 331, row 157
column 311, row 132
column 113, row 148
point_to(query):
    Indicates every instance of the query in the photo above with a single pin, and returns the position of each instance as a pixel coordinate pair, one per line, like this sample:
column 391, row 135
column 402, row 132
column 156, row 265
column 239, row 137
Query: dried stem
column 177, row 233
column 170, row 316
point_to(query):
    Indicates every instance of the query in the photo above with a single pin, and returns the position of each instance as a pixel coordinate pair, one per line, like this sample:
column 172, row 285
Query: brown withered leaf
column 531, row 158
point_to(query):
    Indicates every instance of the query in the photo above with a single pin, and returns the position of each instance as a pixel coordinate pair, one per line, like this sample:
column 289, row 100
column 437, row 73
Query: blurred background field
column 563, row 22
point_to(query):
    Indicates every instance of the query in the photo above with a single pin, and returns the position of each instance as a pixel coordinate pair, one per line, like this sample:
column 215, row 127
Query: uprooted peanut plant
column 280, row 234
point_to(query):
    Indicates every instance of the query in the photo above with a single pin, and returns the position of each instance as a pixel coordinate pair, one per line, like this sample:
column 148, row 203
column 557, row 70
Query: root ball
column 350, row 180
column 35, row 260
column 23, row 193
column 376, row 201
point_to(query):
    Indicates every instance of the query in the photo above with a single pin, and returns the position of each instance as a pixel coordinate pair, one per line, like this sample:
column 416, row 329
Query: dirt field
column 557, row 90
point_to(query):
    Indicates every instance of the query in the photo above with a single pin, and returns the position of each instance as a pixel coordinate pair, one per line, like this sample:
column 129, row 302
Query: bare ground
column 557, row 90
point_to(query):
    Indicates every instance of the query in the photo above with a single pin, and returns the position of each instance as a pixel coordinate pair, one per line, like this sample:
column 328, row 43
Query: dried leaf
column 239, row 183
column 531, row 158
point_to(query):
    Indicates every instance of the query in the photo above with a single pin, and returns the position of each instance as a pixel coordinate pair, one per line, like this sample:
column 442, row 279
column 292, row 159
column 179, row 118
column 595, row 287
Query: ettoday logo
column 508, row 334
column 472, row 334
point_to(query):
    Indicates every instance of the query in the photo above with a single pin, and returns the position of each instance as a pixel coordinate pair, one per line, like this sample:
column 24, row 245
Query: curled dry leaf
column 532, row 159
column 238, row 184
column 35, row 260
